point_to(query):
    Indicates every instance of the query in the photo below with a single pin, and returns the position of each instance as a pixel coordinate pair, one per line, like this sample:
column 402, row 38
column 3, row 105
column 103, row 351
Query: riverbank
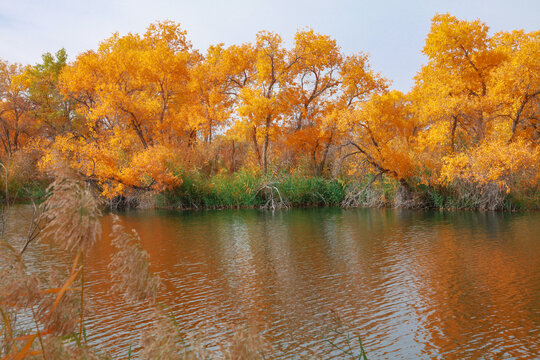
column 248, row 190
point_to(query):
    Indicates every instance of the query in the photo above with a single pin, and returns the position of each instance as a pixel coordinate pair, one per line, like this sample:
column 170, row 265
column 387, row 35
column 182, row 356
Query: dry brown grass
column 72, row 214
column 165, row 341
column 69, row 217
column 129, row 267
column 365, row 195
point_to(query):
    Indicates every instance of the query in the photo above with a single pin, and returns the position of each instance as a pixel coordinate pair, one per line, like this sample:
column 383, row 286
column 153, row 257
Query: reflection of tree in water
column 414, row 284
column 474, row 288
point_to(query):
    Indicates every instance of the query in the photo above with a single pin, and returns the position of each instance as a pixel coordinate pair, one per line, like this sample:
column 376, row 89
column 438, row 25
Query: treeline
column 149, row 112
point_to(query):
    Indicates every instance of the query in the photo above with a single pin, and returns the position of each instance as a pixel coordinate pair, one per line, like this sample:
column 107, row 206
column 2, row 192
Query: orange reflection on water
column 412, row 284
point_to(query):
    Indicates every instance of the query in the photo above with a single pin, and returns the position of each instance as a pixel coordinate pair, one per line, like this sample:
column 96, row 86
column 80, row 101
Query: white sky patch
column 392, row 32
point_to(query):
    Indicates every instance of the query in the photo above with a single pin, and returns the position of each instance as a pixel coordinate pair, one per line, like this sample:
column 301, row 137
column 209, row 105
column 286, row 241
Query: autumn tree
column 382, row 134
column 515, row 84
column 291, row 97
column 216, row 81
column 472, row 98
column 16, row 125
column 133, row 94
column 262, row 101
column 452, row 88
column 325, row 83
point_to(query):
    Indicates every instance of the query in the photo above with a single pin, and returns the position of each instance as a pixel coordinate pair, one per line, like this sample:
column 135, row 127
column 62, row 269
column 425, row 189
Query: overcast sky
column 392, row 32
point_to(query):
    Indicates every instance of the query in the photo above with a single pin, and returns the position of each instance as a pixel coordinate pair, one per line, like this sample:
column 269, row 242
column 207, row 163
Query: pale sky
column 391, row 32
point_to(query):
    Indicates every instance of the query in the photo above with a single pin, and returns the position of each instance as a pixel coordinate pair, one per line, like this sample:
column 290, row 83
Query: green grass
column 311, row 191
column 25, row 190
column 242, row 189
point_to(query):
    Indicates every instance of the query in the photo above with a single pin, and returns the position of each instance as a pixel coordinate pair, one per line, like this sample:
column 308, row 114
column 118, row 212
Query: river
column 412, row 284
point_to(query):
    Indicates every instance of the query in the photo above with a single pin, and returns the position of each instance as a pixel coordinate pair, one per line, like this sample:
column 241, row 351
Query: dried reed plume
column 70, row 217
column 130, row 267
column 18, row 288
column 164, row 341
column 63, row 318
column 72, row 213
column 18, row 291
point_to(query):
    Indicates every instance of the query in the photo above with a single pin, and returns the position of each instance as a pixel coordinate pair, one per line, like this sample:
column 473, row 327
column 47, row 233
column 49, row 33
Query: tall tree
column 16, row 126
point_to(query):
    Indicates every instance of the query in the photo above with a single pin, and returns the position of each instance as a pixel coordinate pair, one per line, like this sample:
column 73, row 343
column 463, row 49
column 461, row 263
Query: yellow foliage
column 382, row 132
column 141, row 106
column 506, row 164
column 16, row 123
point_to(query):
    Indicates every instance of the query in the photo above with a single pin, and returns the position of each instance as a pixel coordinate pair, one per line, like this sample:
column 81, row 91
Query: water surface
column 413, row 284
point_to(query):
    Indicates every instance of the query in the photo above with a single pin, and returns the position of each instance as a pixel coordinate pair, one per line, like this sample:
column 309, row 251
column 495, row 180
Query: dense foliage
column 149, row 112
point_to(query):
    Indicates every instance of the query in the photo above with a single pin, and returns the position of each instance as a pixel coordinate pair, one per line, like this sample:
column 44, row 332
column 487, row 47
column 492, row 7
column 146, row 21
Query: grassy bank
column 248, row 190
column 244, row 190
column 24, row 190
column 474, row 197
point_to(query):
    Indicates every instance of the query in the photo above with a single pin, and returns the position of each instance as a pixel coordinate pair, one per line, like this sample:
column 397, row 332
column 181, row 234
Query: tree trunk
column 265, row 145
column 232, row 167
column 325, row 156
column 256, row 146
column 453, row 133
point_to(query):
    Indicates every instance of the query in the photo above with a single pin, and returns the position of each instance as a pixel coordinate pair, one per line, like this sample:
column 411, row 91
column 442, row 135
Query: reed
column 129, row 268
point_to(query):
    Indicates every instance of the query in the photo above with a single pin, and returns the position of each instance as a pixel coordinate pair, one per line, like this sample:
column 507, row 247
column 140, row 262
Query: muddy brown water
column 412, row 284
